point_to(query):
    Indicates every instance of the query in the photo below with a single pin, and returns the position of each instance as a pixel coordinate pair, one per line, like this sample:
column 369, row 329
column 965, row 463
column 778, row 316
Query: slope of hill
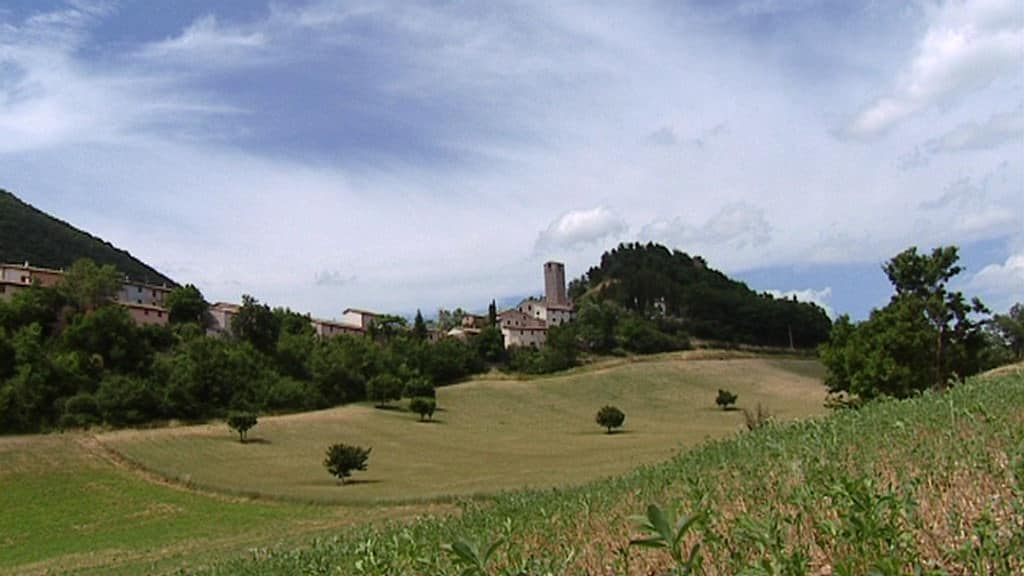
column 650, row 279
column 932, row 485
column 30, row 235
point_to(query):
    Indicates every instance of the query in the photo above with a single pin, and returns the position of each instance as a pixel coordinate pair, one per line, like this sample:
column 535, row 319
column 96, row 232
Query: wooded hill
column 30, row 235
column 653, row 281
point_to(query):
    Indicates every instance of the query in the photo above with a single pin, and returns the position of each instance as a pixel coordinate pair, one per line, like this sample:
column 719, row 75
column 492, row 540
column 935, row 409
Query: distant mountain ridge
column 28, row 234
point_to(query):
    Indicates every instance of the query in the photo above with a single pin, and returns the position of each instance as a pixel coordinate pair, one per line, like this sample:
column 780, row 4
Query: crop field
column 489, row 435
column 81, row 503
column 932, row 485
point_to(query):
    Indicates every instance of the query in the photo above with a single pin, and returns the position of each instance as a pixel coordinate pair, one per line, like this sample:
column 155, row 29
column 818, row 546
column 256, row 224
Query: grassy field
column 68, row 507
column 932, row 486
column 490, row 435
column 71, row 503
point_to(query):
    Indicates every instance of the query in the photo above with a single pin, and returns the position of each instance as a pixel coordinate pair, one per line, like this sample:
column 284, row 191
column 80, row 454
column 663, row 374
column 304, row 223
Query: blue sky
column 401, row 155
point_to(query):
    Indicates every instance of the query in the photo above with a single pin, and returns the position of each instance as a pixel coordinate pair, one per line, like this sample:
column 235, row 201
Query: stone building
column 527, row 323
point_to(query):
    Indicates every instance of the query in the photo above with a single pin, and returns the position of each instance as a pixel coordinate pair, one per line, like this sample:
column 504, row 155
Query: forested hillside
column 651, row 280
column 30, row 235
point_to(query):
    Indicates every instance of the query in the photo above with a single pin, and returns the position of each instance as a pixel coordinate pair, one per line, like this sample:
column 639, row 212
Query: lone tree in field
column 725, row 399
column 384, row 388
column 424, row 407
column 610, row 417
column 241, row 422
column 343, row 459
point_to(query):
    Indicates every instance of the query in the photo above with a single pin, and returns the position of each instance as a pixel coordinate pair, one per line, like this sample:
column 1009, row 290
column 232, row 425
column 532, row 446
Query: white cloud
column 736, row 226
column 205, row 42
column 578, row 228
column 967, row 46
column 819, row 297
column 544, row 110
column 48, row 97
column 1007, row 127
column 1001, row 285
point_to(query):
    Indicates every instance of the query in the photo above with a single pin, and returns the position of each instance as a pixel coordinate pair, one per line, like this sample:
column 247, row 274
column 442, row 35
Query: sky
column 411, row 155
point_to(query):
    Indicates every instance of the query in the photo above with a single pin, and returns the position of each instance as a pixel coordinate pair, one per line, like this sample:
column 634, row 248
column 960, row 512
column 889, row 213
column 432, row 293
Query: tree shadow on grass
column 256, row 440
column 389, row 407
column 616, row 432
column 431, row 421
column 332, row 482
column 353, row 481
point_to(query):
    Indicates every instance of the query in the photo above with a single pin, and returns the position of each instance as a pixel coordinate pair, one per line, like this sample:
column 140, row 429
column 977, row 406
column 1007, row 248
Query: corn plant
column 665, row 532
column 471, row 557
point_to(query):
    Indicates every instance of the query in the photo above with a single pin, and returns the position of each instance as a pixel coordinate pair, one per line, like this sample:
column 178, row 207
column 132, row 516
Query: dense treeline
column 70, row 357
column 650, row 281
column 29, row 235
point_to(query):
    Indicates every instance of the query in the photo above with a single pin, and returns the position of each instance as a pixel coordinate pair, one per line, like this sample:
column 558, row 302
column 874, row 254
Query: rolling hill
column 31, row 235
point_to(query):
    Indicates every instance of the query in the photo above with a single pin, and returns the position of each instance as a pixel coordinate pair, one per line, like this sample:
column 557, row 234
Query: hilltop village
column 524, row 325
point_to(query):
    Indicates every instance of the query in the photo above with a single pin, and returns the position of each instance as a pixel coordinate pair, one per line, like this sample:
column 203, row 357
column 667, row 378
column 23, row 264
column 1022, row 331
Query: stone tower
column 554, row 284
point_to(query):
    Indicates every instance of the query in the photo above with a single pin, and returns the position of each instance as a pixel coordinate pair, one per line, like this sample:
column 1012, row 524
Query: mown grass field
column 71, row 503
column 490, row 435
column 932, row 485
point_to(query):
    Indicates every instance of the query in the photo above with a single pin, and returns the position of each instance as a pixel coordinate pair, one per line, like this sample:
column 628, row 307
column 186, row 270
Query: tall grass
column 931, row 485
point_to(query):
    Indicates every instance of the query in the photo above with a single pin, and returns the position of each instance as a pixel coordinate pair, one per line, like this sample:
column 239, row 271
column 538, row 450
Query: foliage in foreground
column 933, row 483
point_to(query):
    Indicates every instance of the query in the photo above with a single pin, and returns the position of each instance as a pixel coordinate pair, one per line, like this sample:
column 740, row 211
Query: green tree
column 490, row 344
column 385, row 327
column 1009, row 328
column 127, row 400
column 448, row 319
column 384, row 388
column 725, row 399
column 89, row 286
column 419, row 327
column 419, row 387
column 241, row 422
column 561, row 349
column 923, row 278
column 81, row 411
column 423, row 406
column 186, row 304
column 596, row 324
column 610, row 417
column 340, row 367
column 110, row 334
column 343, row 459
column 913, row 343
column 492, row 314
column 257, row 324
